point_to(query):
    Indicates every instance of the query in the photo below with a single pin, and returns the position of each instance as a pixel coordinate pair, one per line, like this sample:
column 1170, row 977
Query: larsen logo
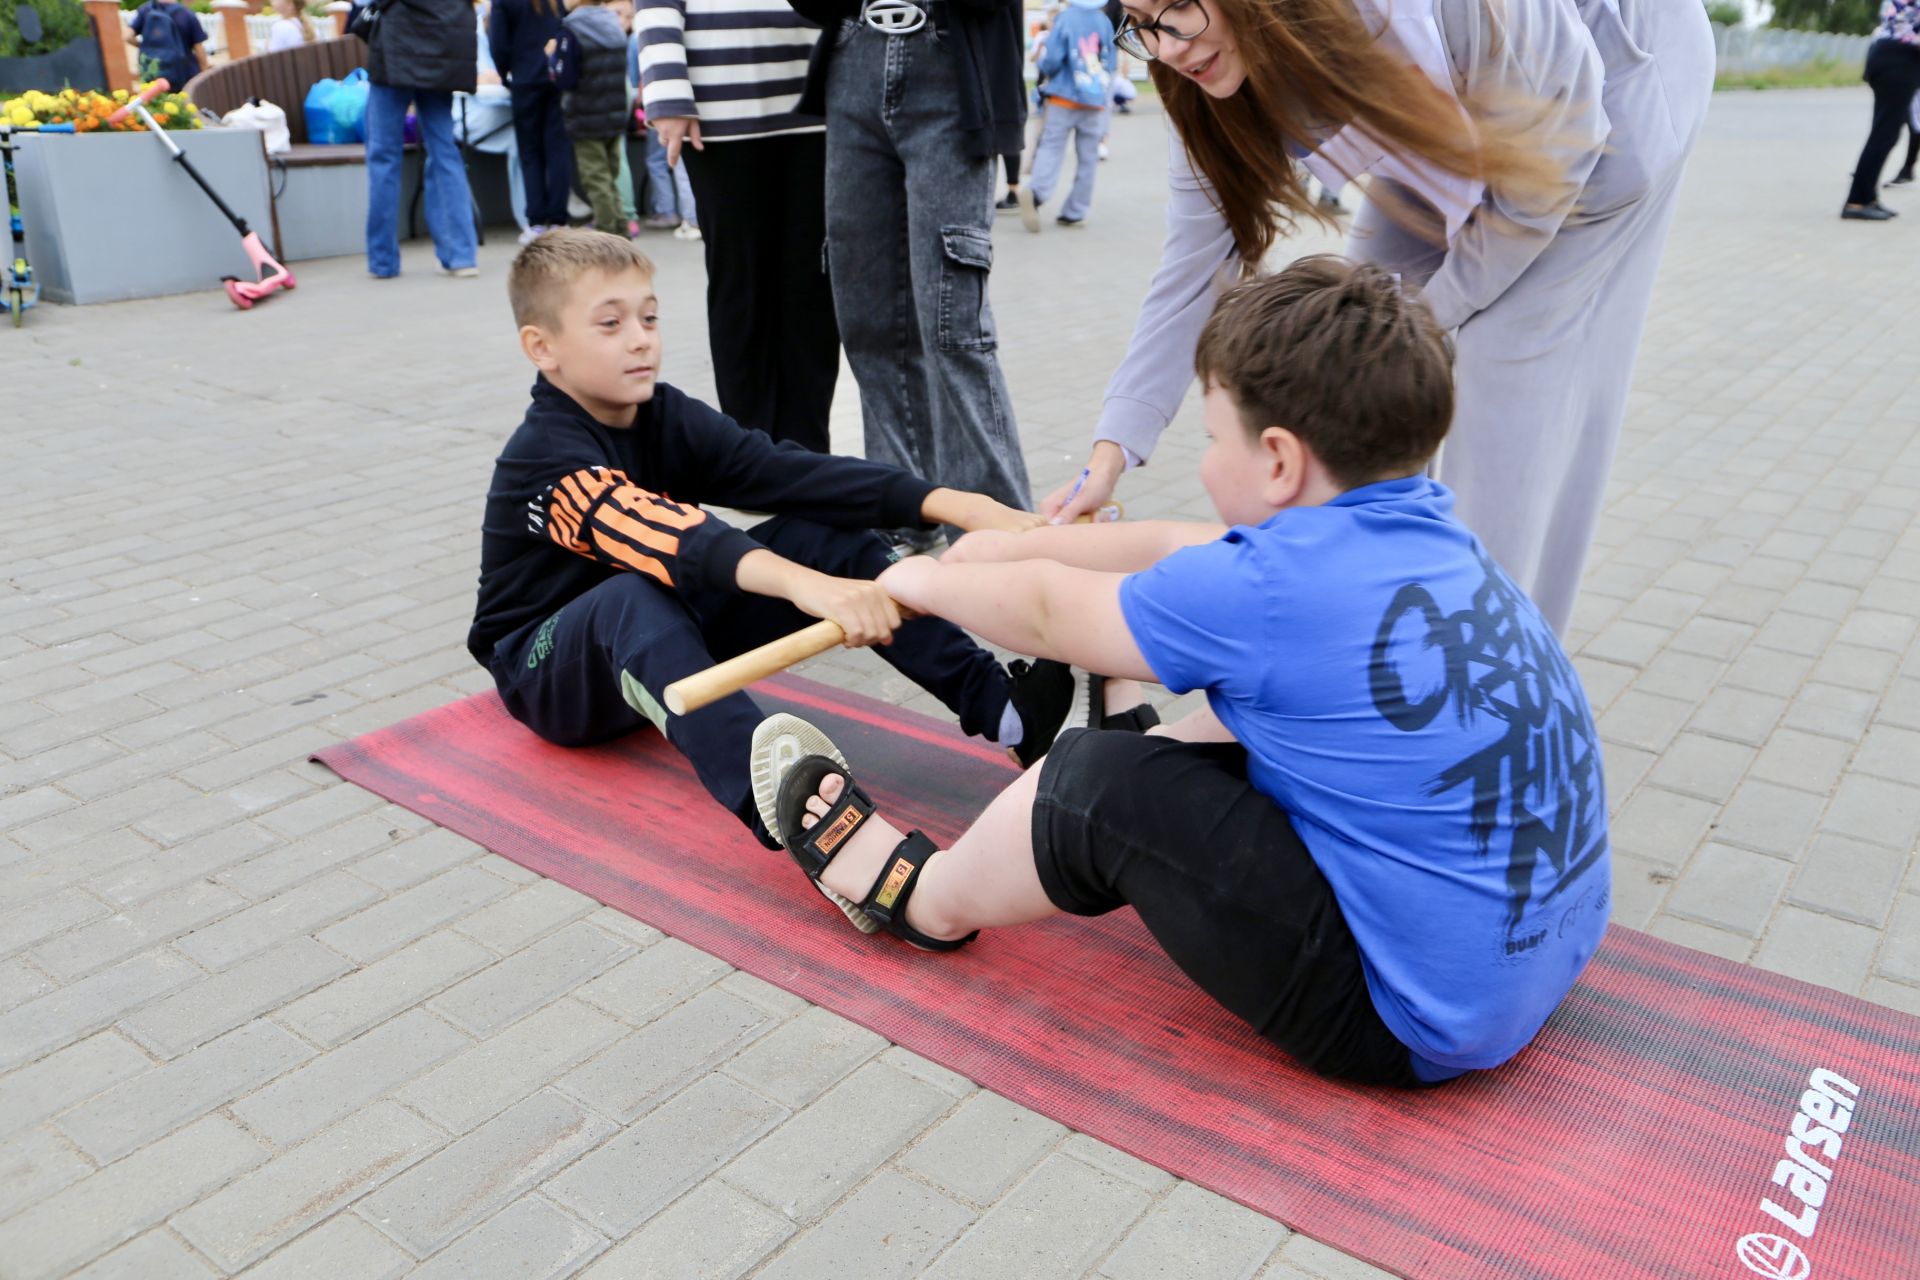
column 1772, row 1257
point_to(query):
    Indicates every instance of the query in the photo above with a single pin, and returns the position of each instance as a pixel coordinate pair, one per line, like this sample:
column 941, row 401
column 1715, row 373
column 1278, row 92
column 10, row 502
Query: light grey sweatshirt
column 1553, row 52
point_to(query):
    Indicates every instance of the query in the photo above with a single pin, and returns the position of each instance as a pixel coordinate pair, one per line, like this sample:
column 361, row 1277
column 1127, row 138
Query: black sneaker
column 1875, row 212
column 1051, row 697
column 1064, row 221
column 1901, row 179
column 1008, row 203
column 902, row 543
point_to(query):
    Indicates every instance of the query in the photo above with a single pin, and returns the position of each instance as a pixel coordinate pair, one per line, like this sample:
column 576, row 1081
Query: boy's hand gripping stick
column 703, row 688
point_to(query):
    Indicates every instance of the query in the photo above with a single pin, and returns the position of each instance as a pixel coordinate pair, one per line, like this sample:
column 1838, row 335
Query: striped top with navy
column 737, row 65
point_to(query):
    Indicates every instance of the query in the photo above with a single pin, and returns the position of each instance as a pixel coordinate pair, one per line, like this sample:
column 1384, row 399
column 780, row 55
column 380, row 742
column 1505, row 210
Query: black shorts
column 1221, row 881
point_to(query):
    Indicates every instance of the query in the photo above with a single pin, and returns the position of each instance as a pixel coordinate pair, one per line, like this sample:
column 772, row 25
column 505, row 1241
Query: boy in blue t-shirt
column 1383, row 842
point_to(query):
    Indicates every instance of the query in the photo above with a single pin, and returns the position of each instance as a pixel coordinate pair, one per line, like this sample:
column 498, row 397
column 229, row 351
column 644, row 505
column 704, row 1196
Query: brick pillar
column 114, row 50
column 233, row 14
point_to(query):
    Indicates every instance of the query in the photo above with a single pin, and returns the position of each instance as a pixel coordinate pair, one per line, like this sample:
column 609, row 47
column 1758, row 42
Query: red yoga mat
column 1669, row 1102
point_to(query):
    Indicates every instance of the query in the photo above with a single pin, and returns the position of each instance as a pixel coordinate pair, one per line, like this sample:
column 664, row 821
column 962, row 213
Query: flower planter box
column 110, row 216
column 78, row 65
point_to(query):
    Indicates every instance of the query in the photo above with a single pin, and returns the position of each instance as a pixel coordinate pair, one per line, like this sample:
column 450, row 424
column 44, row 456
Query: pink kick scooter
column 269, row 273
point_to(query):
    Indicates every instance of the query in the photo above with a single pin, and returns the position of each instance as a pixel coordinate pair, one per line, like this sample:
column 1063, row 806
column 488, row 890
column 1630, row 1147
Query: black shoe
column 1874, row 212
column 1122, row 108
column 902, row 543
column 1065, row 221
column 1008, row 203
column 1050, row 697
column 1901, row 179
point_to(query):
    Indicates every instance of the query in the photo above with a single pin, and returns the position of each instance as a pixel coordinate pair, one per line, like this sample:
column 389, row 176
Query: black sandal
column 813, row 848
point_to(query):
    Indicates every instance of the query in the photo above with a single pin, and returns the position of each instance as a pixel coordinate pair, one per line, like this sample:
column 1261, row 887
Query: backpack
column 160, row 46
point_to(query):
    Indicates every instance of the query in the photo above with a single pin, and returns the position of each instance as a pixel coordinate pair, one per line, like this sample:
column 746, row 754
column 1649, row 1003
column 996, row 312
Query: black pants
column 596, row 669
column 1893, row 72
column 546, row 154
column 1221, row 881
column 770, row 320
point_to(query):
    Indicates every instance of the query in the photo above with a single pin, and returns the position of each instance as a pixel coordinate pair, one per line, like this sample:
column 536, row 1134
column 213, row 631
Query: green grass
column 1824, row 73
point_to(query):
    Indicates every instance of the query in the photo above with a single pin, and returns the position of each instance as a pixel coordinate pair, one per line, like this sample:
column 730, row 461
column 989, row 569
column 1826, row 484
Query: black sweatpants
column 597, row 668
column 1893, row 72
column 770, row 319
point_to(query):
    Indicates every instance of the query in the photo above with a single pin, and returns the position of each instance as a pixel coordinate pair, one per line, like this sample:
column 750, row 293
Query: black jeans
column 546, row 154
column 1223, row 884
column 770, row 320
column 1893, row 72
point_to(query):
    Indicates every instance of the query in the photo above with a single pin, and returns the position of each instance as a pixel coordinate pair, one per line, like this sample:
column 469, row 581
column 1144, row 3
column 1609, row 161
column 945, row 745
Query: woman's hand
column 1064, row 506
column 675, row 130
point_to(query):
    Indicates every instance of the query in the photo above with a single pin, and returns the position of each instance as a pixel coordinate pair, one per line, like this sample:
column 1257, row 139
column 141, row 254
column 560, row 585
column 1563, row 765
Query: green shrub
column 1843, row 17
column 1726, row 12
column 61, row 22
column 1821, row 73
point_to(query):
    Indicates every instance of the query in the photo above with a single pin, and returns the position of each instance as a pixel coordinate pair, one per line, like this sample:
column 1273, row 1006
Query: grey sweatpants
column 1541, row 376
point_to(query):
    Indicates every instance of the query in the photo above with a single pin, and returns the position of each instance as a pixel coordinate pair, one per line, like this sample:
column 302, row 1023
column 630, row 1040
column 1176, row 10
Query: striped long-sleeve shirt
column 736, row 65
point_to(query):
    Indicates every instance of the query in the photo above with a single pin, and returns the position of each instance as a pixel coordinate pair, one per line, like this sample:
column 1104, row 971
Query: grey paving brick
column 153, row 1256
column 1831, row 710
column 94, row 946
column 1732, row 889
column 498, row 1072
column 528, row 1238
column 663, row 975
column 624, row 1182
column 20, row 982
column 58, row 1080
column 1875, row 810
column 1021, row 1235
column 107, row 1209
column 1742, row 715
column 799, row 1060
column 782, row 1004
column 1702, row 767
column 1644, row 720
column 1195, row 1235
column 1794, row 758
column 304, row 1101
column 951, row 1083
column 531, row 913
column 1661, row 826
column 341, row 1248
column 822, row 1152
column 1769, row 818
column 1116, row 1162
column 347, row 1007
column 887, row 1230
column 1329, row 1264
column 389, row 925
column 135, row 1112
column 712, row 1233
column 448, row 1192
column 225, row 1000
column 1900, row 957
column 321, row 810
column 631, row 1077
column 528, row 979
column 1890, row 753
column 1819, row 949
column 139, row 880
column 36, row 802
column 1893, row 995
column 102, row 816
column 33, row 1165
column 412, row 858
column 1850, row 879
column 292, row 914
column 983, row 1147
column 73, row 1011
column 301, row 1187
column 28, row 878
column 309, row 856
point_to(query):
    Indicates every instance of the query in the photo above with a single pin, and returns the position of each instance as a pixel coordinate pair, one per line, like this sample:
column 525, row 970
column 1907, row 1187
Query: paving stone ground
column 252, row 1018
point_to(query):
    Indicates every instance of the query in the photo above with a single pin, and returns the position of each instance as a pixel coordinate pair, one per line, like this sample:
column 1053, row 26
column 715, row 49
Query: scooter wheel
column 17, row 303
column 238, row 298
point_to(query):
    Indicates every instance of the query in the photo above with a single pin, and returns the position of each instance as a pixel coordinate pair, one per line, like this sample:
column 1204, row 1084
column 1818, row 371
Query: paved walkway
column 252, row 1017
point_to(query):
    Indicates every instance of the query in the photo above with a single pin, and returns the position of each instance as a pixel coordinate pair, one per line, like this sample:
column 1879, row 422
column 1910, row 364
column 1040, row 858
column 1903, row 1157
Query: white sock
column 1012, row 731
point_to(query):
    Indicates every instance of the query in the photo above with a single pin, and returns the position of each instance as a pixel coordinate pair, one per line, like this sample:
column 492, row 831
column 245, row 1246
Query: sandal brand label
column 842, row 827
column 896, row 881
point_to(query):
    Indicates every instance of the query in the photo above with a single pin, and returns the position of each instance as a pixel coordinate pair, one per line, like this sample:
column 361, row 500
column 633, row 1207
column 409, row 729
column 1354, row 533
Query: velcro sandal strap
column 887, row 901
column 813, row 847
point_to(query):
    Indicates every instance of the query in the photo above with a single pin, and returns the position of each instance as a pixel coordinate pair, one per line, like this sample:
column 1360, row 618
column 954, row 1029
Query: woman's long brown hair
column 1313, row 66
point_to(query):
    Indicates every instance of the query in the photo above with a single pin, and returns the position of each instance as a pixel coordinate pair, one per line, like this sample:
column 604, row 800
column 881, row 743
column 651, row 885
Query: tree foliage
column 1844, row 17
column 61, row 23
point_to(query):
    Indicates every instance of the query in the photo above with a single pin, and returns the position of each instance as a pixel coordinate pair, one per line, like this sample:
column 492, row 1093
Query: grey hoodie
column 596, row 106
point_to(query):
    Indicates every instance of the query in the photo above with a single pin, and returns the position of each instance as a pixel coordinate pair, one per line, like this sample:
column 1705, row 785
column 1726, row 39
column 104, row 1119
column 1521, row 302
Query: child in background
column 1076, row 76
column 669, row 191
column 590, row 72
column 291, row 28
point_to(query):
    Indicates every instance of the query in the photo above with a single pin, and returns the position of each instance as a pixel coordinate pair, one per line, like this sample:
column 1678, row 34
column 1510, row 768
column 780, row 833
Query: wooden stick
column 703, row 688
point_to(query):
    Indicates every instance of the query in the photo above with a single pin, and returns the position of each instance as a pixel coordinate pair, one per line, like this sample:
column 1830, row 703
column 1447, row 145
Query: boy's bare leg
column 986, row 879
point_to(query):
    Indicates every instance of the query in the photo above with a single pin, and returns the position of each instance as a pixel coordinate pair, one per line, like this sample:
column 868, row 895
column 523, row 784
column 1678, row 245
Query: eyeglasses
column 1181, row 20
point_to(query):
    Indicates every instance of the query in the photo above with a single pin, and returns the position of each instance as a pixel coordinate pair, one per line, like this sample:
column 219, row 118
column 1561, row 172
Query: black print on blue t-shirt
column 1539, row 780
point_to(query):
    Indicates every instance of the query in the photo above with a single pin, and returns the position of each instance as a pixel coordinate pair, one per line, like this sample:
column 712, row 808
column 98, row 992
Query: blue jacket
column 1078, row 60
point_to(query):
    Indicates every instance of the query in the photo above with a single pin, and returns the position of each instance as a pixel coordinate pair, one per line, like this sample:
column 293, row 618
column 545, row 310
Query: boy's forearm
column 763, row 573
column 1120, row 547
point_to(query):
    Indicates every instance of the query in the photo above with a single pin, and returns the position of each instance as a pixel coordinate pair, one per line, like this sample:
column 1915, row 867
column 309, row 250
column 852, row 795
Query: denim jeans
column 909, row 248
column 669, row 190
column 449, row 203
column 1086, row 128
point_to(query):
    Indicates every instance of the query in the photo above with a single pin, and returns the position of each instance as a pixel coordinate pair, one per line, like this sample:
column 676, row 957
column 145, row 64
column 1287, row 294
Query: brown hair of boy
column 545, row 269
column 1339, row 354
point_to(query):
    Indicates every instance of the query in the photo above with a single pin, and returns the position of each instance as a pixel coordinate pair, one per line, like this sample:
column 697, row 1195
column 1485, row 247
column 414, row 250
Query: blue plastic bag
column 350, row 107
column 318, row 110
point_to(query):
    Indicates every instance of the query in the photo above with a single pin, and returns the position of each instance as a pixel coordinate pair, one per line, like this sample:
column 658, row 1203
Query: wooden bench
column 283, row 79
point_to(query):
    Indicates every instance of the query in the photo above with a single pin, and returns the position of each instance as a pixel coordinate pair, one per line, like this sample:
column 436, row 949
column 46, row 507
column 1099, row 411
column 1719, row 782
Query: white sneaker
column 531, row 234
column 460, row 273
column 686, row 231
column 1103, row 151
column 1029, row 211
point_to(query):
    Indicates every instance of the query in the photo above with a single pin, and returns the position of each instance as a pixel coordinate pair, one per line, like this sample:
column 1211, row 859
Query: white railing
column 1758, row 48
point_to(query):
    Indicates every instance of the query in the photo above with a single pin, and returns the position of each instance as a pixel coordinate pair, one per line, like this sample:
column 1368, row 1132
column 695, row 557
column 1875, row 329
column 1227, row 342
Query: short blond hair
column 545, row 269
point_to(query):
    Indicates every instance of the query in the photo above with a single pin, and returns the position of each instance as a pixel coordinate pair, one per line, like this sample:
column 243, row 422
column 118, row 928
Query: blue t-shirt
column 1414, row 715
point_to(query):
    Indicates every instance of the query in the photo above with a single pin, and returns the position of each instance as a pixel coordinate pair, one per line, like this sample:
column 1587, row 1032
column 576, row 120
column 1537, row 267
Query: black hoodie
column 574, row 502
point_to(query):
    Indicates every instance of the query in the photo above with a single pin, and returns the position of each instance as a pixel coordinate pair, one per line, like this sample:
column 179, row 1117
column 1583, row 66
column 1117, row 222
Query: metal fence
column 1757, row 48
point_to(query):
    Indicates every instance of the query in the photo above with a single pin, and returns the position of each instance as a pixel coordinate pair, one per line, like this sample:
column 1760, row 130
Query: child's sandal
column 779, row 742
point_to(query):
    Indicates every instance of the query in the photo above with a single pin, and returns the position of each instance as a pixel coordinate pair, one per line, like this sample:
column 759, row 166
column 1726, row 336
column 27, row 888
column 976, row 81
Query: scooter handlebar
column 148, row 94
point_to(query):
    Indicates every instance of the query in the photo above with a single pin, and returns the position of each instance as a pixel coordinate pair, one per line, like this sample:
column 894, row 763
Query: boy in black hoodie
column 602, row 579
